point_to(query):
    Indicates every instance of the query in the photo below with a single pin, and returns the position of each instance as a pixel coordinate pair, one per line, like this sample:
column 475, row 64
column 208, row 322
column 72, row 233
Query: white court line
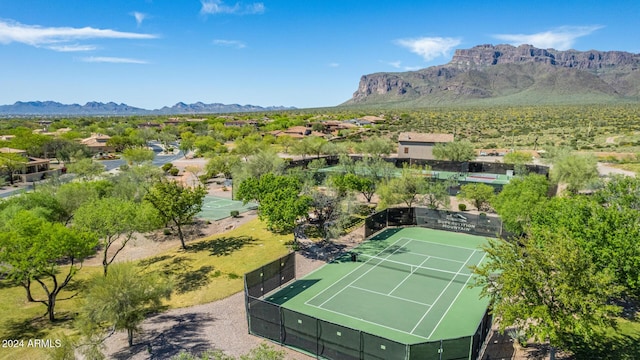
column 391, row 296
column 441, row 293
column 454, row 300
column 368, row 322
column 408, row 276
column 435, row 243
column 350, row 272
column 358, row 278
column 435, row 257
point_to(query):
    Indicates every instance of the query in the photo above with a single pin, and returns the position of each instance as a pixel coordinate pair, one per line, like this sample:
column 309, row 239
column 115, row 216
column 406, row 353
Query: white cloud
column 140, row 17
column 218, row 7
column 50, row 37
column 334, row 65
column 72, row 48
column 429, row 47
column 561, row 38
column 398, row 65
column 231, row 43
column 114, row 60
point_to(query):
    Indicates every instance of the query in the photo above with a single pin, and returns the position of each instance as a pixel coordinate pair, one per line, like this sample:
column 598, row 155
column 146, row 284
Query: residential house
column 97, row 143
column 413, row 145
column 34, row 169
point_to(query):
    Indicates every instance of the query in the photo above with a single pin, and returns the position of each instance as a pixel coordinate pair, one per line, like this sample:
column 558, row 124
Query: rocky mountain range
column 504, row 74
column 52, row 108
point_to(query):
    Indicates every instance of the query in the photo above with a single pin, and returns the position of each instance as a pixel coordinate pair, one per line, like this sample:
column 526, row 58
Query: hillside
column 504, row 74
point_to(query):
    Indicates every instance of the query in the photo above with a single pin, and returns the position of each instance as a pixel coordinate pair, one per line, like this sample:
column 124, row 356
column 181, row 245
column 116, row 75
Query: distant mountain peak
column 94, row 108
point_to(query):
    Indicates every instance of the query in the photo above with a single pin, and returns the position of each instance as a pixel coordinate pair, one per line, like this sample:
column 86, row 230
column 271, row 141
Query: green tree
column 518, row 200
column 436, row 194
column 279, row 199
column 12, row 164
column 577, row 171
column 259, row 164
column 479, row 194
column 132, row 183
column 405, row 188
column 517, row 157
column 121, row 300
column 548, row 287
column 376, row 146
column 138, row 155
column 222, row 164
column 454, row 151
column 176, row 203
column 363, row 184
column 86, row 169
column 33, row 249
column 286, row 142
column 115, row 222
column 187, row 141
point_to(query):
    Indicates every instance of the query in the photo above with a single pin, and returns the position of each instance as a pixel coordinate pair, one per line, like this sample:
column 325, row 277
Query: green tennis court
column 408, row 285
column 216, row 208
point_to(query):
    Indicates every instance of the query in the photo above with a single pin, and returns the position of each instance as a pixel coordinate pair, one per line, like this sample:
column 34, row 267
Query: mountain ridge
column 507, row 74
column 94, row 108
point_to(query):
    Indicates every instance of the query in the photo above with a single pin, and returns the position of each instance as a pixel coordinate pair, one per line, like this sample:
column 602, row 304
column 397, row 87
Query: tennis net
column 462, row 273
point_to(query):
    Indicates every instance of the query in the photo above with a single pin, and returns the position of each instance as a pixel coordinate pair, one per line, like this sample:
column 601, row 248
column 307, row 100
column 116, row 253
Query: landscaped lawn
column 210, row 269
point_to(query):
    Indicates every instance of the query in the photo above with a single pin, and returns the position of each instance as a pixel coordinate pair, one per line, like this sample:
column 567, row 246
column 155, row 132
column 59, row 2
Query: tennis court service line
column 454, row 299
column 435, row 243
column 389, row 295
column 436, row 257
column 442, row 292
column 408, row 276
column 349, row 273
column 359, row 277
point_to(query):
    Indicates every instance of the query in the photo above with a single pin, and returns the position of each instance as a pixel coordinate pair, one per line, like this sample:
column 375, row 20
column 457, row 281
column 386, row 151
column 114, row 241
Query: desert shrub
column 462, row 207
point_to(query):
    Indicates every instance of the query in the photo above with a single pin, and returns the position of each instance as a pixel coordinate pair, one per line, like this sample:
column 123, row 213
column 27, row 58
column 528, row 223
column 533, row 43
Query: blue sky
column 303, row 53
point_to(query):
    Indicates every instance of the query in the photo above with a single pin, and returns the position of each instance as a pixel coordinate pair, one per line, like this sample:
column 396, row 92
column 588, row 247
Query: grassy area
column 209, row 270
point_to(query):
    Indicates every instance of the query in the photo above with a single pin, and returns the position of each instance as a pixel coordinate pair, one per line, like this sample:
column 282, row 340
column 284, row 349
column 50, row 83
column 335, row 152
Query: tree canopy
column 279, row 198
column 176, row 203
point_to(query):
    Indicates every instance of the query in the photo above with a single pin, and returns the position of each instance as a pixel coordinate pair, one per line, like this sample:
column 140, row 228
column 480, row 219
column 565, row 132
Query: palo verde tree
column 404, row 189
column 120, row 301
column 575, row 170
column 137, row 155
column 454, row 151
column 176, row 203
column 34, row 249
column 114, row 221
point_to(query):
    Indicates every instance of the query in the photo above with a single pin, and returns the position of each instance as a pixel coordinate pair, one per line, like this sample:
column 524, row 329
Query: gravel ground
column 218, row 325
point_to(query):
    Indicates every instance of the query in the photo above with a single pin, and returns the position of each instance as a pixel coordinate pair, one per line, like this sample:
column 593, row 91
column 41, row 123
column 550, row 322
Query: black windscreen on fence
column 270, row 276
column 456, row 349
column 300, row 330
column 338, row 342
column 375, row 223
column 401, row 217
column 425, row 351
column 379, row 348
column 483, row 225
column 264, row 319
